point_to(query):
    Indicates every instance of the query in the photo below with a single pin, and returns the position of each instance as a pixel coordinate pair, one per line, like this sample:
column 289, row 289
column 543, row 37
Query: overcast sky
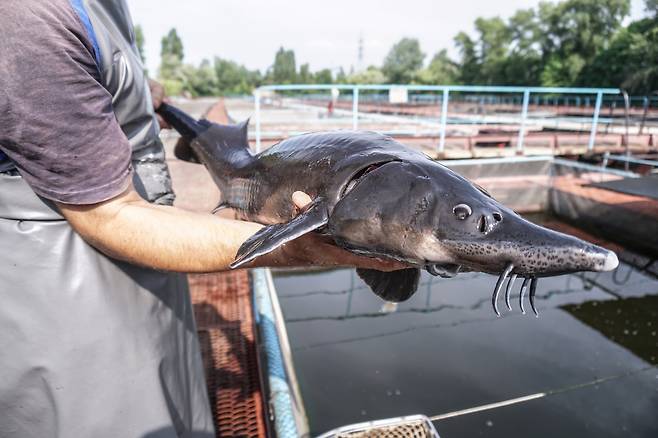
column 324, row 34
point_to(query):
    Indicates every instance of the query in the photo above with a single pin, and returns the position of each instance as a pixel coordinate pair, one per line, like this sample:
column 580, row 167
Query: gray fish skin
column 319, row 164
column 407, row 208
column 383, row 199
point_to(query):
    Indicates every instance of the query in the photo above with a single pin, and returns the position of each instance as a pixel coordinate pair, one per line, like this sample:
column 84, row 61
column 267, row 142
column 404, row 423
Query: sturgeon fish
column 375, row 197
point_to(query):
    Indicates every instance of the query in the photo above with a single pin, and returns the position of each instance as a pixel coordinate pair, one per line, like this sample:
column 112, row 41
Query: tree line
column 569, row 43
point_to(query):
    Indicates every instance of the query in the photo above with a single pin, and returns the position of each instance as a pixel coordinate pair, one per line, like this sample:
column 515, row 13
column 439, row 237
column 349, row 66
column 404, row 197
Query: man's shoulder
column 50, row 30
column 27, row 14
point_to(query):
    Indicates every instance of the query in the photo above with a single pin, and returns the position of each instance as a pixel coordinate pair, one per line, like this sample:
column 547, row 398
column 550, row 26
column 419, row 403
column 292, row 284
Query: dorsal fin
column 233, row 136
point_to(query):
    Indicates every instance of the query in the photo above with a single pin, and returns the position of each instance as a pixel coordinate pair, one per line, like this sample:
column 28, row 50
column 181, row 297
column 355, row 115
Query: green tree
column 552, row 45
column 305, row 76
column 200, row 81
column 441, row 71
column 469, row 64
column 573, row 32
column 171, row 63
column 172, row 45
column 403, row 61
column 562, row 72
column 372, row 75
column 284, row 70
column 341, row 77
column 254, row 79
column 630, row 61
column 231, row 77
column 525, row 33
column 494, row 39
column 485, row 60
column 323, row 76
column 523, row 63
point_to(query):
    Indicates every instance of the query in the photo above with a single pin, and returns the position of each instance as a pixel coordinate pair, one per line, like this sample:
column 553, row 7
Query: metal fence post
column 348, row 309
column 355, row 108
column 444, row 120
column 595, row 121
column 257, row 117
column 645, row 110
column 524, row 116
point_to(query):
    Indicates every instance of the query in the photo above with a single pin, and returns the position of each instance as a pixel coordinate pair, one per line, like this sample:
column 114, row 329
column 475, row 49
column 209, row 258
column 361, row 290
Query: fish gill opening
column 358, row 176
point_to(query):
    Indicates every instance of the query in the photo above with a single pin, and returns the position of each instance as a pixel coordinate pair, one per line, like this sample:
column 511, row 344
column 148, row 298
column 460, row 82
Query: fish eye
column 462, row 211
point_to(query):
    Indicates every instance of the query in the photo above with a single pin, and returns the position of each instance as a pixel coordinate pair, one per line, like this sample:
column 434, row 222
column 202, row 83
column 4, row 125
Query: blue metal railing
column 286, row 408
column 445, row 91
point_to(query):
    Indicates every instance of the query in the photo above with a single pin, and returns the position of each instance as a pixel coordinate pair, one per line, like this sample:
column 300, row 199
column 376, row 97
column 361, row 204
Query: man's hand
column 317, row 250
column 158, row 96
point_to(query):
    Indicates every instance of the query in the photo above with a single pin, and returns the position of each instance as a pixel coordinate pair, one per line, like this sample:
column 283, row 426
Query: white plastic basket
column 415, row 426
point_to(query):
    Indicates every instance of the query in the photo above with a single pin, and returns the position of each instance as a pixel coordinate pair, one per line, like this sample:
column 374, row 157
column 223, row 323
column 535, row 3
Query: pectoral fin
column 393, row 286
column 183, row 151
column 270, row 238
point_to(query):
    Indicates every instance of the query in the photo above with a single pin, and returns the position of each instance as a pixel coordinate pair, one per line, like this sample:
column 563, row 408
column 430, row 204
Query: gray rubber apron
column 92, row 347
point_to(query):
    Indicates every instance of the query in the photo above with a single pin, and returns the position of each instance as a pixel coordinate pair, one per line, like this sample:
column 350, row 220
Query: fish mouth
column 444, row 270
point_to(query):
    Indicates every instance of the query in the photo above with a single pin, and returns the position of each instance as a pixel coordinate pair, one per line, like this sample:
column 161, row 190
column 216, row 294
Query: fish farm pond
column 587, row 366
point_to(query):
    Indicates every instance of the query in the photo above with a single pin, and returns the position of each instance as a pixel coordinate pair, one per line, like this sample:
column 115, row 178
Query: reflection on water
column 592, row 353
column 630, row 322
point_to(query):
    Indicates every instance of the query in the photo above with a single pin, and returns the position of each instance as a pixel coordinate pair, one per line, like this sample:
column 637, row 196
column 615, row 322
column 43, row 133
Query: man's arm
column 171, row 239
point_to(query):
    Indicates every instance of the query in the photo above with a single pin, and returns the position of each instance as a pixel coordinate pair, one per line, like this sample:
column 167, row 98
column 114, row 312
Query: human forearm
column 160, row 237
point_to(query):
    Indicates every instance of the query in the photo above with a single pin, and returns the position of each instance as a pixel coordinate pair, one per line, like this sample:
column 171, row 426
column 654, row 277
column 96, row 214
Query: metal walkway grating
column 224, row 316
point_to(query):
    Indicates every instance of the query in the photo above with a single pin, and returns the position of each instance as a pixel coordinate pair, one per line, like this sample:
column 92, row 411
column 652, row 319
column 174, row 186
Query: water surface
column 593, row 353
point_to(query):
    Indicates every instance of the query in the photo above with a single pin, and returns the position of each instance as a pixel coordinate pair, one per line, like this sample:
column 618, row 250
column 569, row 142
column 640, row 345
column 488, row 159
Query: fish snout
column 532, row 249
column 574, row 255
column 604, row 261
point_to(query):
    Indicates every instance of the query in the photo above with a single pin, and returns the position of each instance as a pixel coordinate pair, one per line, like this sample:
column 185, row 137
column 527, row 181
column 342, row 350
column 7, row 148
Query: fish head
column 426, row 213
column 477, row 232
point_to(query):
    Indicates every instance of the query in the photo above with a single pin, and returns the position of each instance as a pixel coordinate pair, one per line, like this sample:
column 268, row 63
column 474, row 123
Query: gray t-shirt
column 57, row 124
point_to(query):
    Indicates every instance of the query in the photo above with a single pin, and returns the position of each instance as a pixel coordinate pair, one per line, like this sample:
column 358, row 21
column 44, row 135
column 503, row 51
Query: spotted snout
column 550, row 259
column 533, row 250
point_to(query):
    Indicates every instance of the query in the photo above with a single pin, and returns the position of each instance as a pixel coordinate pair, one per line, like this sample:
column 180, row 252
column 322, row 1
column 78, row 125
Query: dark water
column 593, row 351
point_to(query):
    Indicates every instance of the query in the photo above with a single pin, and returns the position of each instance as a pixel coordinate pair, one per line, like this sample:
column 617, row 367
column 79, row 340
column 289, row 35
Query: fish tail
column 188, row 127
column 226, row 146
